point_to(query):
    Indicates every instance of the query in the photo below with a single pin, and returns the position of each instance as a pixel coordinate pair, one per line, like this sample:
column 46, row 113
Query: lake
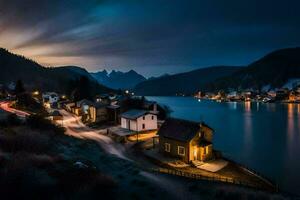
column 264, row 137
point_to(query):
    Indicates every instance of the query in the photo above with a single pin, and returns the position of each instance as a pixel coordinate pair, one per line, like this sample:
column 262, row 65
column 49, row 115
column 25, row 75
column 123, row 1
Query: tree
column 19, row 89
column 81, row 89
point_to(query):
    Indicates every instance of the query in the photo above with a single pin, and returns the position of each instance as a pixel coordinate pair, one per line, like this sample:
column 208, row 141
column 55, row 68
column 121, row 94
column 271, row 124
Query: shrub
column 40, row 123
column 24, row 141
column 87, row 180
column 13, row 120
column 10, row 120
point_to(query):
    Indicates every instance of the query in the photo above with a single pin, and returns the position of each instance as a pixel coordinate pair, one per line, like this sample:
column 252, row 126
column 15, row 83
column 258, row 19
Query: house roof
column 84, row 101
column 180, row 129
column 113, row 106
column 203, row 143
column 99, row 105
column 55, row 113
column 134, row 114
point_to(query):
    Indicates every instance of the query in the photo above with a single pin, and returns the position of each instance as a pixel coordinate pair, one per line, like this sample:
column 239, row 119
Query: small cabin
column 186, row 140
column 50, row 99
column 56, row 116
column 139, row 120
column 97, row 112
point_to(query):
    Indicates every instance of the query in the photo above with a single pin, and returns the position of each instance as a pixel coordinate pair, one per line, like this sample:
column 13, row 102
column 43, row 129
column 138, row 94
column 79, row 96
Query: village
column 281, row 95
column 173, row 146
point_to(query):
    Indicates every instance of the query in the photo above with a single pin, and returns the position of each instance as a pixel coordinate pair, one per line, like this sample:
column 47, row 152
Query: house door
column 128, row 124
column 195, row 153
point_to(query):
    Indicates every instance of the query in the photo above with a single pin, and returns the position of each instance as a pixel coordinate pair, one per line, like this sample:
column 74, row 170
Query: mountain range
column 186, row 83
column 273, row 71
column 35, row 76
column 118, row 79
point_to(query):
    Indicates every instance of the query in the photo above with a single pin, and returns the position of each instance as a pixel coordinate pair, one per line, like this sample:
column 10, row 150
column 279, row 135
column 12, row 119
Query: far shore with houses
column 290, row 94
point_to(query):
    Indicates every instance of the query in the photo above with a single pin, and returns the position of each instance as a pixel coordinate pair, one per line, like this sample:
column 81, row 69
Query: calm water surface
column 264, row 137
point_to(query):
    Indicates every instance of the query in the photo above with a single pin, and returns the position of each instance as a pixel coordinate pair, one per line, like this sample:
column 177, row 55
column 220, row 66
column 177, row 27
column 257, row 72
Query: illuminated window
column 181, row 151
column 167, row 147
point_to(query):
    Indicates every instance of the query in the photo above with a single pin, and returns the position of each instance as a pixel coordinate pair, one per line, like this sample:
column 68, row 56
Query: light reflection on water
column 248, row 126
column 265, row 137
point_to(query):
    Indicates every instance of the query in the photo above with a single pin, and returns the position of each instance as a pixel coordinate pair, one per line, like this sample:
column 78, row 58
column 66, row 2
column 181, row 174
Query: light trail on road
column 6, row 107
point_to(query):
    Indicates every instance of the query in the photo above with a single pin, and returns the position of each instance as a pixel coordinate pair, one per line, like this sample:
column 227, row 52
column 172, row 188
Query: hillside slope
column 274, row 69
column 187, row 83
column 35, row 76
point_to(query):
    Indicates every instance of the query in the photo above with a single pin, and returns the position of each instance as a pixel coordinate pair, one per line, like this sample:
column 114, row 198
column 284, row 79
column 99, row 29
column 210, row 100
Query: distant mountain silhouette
column 35, row 76
column 274, row 70
column 118, row 80
column 187, row 83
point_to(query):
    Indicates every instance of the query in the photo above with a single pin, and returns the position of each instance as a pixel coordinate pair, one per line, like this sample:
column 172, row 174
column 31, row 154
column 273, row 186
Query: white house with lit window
column 50, row 98
column 139, row 120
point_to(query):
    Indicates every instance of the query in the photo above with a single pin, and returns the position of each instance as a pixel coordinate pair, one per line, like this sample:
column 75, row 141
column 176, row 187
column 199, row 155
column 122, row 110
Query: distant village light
column 36, row 93
column 126, row 91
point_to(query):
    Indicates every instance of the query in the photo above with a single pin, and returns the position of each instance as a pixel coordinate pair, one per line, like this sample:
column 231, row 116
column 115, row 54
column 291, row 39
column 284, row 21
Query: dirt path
column 76, row 128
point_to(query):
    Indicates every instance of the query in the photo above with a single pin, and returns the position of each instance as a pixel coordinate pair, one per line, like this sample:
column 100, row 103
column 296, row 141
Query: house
column 271, row 93
column 282, row 94
column 294, row 96
column 68, row 106
column 187, row 140
column 97, row 112
column 56, row 116
column 82, row 107
column 50, row 99
column 113, row 112
column 104, row 98
column 139, row 120
column 151, row 106
column 233, row 96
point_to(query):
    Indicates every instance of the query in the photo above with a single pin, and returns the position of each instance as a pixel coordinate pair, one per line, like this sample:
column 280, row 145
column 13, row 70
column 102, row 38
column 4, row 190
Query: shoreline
column 251, row 178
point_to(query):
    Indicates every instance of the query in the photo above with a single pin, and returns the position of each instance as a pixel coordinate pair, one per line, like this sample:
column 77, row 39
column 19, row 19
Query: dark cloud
column 150, row 36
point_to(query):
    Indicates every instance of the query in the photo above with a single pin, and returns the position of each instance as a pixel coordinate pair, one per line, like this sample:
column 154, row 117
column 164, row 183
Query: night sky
column 152, row 37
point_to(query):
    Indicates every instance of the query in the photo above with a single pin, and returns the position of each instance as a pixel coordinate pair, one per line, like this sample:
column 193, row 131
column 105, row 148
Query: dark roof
column 113, row 106
column 179, row 129
column 84, row 101
column 134, row 114
column 149, row 103
column 55, row 113
column 204, row 124
column 203, row 143
column 98, row 105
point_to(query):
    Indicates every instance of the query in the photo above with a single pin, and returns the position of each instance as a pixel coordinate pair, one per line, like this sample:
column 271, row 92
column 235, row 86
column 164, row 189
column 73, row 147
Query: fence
column 267, row 180
column 209, row 178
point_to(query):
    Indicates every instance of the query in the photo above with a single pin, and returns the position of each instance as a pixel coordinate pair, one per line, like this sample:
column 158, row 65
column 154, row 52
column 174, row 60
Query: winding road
column 76, row 128
column 5, row 105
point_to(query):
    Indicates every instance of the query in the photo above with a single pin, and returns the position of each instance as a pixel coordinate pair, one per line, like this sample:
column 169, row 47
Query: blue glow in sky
column 150, row 36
